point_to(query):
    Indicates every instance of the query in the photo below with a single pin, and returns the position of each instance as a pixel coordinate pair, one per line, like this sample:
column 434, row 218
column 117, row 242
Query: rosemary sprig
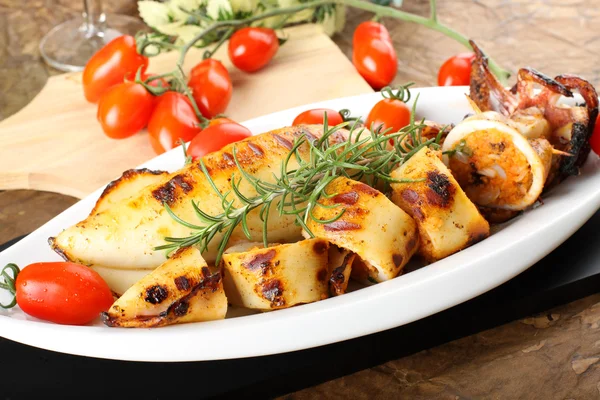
column 304, row 174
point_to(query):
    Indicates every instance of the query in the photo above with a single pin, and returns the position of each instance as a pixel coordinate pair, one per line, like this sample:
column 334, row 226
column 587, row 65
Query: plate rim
column 374, row 295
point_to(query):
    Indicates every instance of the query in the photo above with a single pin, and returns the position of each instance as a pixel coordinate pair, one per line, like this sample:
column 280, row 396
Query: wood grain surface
column 554, row 355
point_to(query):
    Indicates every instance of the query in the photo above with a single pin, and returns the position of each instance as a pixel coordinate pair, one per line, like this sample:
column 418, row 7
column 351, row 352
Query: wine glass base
column 68, row 46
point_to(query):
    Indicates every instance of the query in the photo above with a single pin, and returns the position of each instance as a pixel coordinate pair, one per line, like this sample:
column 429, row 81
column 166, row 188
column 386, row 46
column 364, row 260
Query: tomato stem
column 210, row 53
column 433, row 10
column 430, row 22
column 402, row 92
column 8, row 283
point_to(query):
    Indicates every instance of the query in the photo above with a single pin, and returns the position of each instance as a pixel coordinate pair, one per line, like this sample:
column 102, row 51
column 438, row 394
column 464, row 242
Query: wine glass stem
column 93, row 16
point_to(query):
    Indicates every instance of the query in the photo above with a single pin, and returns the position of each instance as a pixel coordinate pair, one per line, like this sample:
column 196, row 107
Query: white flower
column 176, row 8
column 154, row 13
column 215, row 8
column 186, row 33
column 275, row 22
column 243, row 5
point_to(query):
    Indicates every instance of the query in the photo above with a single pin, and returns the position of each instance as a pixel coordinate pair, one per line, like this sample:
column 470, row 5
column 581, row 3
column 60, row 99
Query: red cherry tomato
column 62, row 292
column 125, row 109
column 370, row 29
column 215, row 137
column 315, row 116
column 211, row 87
column 250, row 49
column 110, row 65
column 456, row 71
column 389, row 113
column 173, row 120
column 219, row 121
column 373, row 55
column 595, row 139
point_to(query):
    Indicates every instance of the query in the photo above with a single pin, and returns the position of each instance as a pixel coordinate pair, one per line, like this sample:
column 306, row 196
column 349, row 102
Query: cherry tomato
column 160, row 82
column 250, row 49
column 370, row 29
column 173, row 119
column 219, row 121
column 125, row 109
column 215, row 137
column 211, row 87
column 62, row 292
column 389, row 113
column 456, row 71
column 595, row 139
column 110, row 65
column 373, row 55
column 315, row 116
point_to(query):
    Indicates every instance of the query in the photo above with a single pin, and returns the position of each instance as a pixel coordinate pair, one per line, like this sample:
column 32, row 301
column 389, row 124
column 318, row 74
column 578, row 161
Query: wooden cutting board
column 56, row 144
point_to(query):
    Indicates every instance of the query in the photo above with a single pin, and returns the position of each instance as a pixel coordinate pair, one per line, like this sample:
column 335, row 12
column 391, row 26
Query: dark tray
column 570, row 272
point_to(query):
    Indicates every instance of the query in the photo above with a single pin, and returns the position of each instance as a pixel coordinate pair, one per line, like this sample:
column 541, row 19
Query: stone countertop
column 554, row 355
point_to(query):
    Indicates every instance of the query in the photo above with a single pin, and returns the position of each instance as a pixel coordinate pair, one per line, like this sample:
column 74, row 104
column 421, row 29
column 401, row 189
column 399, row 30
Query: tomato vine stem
column 379, row 11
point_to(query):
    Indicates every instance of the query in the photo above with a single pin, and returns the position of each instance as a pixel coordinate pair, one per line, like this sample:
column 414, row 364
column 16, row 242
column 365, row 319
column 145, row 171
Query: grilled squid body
column 122, row 234
column 383, row 236
column 278, row 276
column 447, row 220
column 495, row 164
column 183, row 289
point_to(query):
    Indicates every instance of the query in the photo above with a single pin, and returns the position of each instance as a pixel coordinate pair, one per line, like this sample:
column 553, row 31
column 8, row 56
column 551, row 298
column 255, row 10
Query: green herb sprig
column 366, row 156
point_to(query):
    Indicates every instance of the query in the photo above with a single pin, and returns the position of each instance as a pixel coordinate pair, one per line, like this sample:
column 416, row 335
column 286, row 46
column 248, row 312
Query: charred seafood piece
column 383, row 236
column 495, row 165
column 448, row 221
column 182, row 289
column 541, row 115
column 277, row 277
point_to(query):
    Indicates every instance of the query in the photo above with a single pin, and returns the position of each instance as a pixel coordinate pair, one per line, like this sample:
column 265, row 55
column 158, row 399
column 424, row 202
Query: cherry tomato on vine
column 173, row 120
column 370, row 29
column 125, row 109
column 215, row 137
column 315, row 116
column 60, row 292
column 110, row 65
column 250, row 49
column 219, row 121
column 389, row 113
column 595, row 139
column 211, row 87
column 456, row 71
column 373, row 55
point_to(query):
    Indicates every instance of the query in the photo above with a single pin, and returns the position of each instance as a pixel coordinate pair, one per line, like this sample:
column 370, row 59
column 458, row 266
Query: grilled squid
column 519, row 144
column 541, row 114
column 182, row 289
column 278, row 276
column 495, row 165
column 448, row 221
column 383, row 236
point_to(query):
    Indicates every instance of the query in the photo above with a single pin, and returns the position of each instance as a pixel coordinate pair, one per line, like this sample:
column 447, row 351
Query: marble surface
column 554, row 355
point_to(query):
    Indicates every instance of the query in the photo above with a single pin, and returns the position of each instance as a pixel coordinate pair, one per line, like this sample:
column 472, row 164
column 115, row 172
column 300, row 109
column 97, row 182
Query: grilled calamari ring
column 495, row 165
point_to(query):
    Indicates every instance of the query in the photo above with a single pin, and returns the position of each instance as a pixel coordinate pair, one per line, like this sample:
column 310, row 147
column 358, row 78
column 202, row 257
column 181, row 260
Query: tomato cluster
column 129, row 99
column 374, row 57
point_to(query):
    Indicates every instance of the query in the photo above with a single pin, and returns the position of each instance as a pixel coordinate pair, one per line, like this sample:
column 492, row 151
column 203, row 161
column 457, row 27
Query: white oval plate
column 469, row 273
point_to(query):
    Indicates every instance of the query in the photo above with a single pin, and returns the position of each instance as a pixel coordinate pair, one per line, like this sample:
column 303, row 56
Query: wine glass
column 70, row 45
